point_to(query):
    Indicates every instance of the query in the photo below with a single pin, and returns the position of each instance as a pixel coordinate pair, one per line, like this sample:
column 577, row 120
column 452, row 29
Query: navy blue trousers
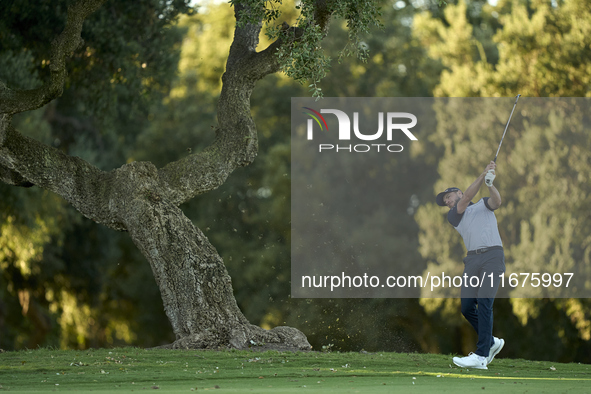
column 478, row 295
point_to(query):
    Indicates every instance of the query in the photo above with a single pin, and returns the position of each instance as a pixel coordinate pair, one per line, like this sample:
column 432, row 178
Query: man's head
column 449, row 197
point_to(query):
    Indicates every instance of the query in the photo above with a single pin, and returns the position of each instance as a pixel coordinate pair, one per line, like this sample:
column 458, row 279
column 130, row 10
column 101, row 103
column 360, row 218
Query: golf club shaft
column 506, row 126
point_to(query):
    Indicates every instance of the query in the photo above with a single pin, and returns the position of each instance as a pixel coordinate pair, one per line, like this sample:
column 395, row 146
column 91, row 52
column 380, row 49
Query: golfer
column 477, row 224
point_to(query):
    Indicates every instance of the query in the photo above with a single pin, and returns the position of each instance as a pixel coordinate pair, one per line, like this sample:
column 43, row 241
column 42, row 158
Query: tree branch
column 246, row 36
column 16, row 101
column 266, row 61
column 195, row 174
column 25, row 161
column 236, row 141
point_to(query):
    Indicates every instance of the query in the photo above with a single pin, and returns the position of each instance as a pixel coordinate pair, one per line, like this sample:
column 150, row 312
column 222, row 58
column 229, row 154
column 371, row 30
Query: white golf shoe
column 495, row 349
column 471, row 361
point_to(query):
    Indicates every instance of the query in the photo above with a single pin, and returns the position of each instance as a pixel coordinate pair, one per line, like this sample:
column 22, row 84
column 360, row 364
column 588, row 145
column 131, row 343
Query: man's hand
column 489, row 173
column 471, row 191
column 489, row 178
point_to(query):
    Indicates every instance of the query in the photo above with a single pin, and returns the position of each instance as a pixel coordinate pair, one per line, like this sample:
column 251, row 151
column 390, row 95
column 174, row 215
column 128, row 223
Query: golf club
column 506, row 126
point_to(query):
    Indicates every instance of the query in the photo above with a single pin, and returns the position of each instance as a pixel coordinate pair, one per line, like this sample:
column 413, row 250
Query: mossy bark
column 142, row 200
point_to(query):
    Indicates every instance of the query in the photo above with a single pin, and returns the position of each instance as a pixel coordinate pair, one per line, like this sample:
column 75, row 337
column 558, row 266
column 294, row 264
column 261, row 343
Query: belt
column 483, row 250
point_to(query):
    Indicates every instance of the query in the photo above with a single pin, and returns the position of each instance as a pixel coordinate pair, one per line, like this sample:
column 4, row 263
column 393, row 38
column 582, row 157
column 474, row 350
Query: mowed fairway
column 183, row 371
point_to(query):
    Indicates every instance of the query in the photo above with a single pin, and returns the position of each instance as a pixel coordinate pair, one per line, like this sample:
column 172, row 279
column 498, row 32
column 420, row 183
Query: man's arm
column 472, row 190
column 495, row 198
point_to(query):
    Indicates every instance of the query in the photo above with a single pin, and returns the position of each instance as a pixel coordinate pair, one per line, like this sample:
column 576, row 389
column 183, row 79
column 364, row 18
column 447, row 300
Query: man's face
column 452, row 198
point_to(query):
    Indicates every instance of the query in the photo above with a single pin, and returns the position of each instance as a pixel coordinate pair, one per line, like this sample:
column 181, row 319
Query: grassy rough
column 133, row 369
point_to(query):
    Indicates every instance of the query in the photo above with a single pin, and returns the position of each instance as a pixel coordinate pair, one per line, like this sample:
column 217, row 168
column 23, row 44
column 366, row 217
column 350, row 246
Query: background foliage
column 149, row 92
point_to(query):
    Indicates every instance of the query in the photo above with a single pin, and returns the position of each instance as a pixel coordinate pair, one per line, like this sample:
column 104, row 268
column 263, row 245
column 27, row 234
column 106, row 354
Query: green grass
column 184, row 371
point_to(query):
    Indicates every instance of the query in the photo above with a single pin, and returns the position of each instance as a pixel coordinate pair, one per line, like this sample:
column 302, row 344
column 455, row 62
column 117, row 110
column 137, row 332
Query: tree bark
column 142, row 200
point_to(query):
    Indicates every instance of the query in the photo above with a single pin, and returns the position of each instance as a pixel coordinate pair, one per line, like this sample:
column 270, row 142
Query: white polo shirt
column 477, row 225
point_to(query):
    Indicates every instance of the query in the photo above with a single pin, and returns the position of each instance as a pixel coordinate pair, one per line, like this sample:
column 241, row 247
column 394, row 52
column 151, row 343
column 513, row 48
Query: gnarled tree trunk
column 143, row 200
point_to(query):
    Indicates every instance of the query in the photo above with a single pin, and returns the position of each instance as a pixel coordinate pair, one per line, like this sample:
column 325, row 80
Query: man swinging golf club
column 485, row 261
column 477, row 224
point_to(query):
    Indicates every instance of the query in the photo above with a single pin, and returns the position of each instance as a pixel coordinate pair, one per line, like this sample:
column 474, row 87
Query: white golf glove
column 489, row 178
